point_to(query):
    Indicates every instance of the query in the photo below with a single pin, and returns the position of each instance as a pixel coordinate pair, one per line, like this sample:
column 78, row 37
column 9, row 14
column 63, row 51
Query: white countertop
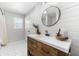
column 53, row 42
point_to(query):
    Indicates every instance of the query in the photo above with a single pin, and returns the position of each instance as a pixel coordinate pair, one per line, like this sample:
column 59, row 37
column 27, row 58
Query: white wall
column 69, row 21
column 13, row 34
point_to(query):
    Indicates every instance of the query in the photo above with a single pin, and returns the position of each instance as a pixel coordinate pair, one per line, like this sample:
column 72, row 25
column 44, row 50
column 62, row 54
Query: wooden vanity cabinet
column 37, row 48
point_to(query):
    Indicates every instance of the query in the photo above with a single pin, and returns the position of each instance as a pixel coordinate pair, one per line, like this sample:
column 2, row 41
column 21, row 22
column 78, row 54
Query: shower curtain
column 3, row 31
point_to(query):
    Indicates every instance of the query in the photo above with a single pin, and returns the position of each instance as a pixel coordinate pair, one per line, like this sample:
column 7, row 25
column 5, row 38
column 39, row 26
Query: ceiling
column 18, row 7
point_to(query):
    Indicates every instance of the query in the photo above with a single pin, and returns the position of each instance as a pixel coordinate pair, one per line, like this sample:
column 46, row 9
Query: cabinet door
column 47, row 50
column 32, row 43
column 34, row 47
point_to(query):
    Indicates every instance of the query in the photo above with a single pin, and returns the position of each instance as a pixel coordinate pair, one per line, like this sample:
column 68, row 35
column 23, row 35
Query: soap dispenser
column 46, row 33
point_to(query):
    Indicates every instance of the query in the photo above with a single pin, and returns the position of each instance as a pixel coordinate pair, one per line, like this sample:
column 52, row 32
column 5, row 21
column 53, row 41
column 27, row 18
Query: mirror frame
column 58, row 16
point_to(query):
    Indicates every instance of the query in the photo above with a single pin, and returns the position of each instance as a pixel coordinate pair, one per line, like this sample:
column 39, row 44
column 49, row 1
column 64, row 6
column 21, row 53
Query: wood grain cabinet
column 37, row 48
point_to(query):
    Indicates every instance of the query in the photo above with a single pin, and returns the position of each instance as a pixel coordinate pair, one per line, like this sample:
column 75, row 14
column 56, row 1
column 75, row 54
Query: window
column 18, row 23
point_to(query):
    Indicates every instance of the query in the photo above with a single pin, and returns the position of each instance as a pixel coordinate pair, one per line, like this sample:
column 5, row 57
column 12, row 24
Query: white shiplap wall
column 69, row 21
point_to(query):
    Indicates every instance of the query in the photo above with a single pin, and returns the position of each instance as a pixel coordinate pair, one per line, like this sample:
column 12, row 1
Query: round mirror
column 51, row 16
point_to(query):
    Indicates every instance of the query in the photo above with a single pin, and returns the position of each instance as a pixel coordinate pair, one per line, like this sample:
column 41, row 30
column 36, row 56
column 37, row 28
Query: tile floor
column 17, row 48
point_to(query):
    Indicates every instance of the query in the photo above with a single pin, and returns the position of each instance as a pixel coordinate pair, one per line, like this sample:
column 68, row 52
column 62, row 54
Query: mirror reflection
column 51, row 16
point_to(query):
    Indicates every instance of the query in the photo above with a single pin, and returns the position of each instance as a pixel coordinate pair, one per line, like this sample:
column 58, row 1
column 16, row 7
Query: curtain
column 3, row 31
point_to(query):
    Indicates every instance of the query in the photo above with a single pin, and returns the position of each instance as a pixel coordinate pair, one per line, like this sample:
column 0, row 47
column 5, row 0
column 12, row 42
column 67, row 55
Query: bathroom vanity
column 41, row 45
